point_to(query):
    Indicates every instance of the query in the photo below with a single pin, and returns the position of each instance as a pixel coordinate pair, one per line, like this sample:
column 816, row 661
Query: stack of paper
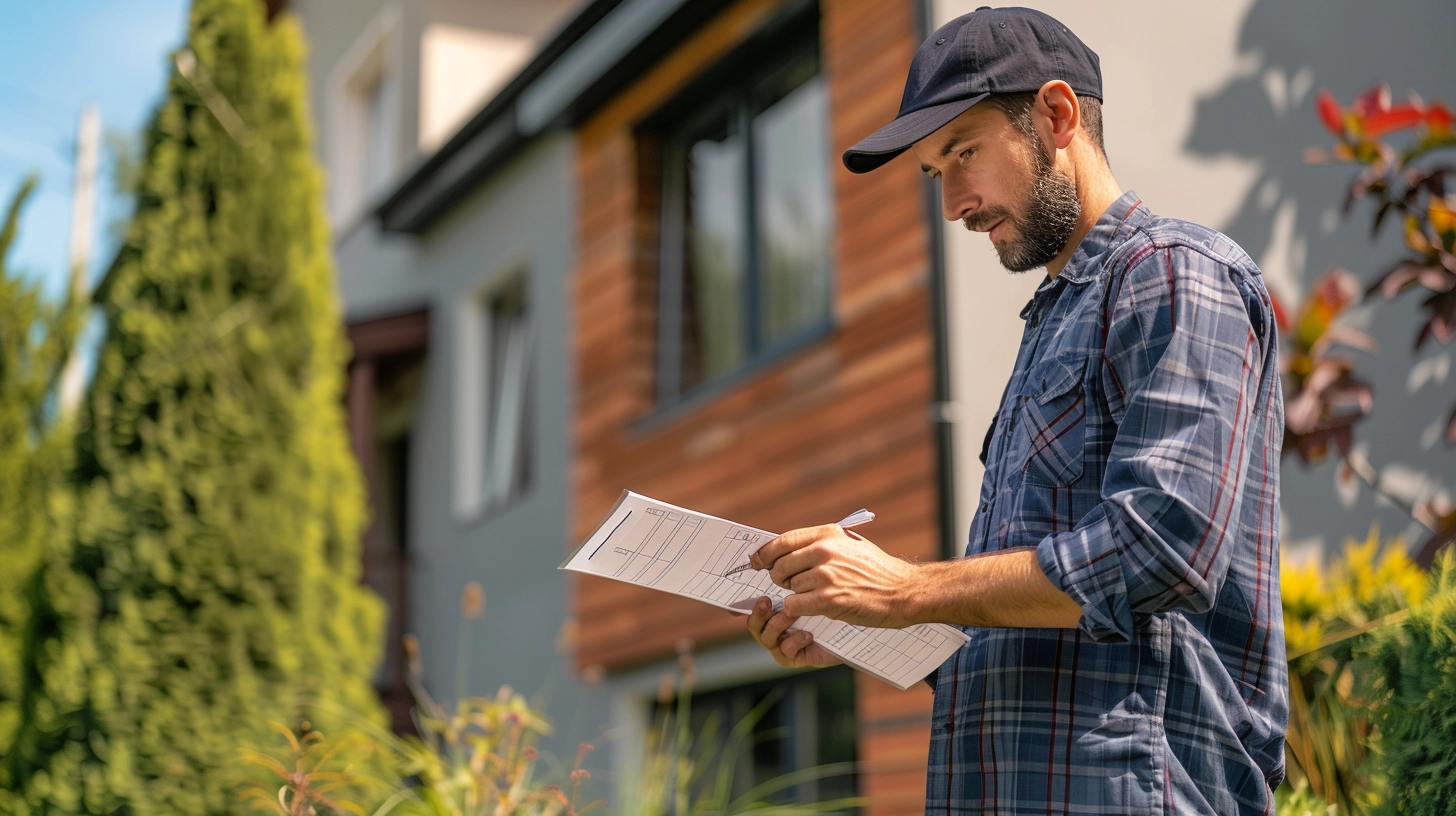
column 657, row 545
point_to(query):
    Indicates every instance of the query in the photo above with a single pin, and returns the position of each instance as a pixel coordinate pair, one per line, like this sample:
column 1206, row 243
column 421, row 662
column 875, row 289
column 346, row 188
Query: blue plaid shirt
column 1137, row 449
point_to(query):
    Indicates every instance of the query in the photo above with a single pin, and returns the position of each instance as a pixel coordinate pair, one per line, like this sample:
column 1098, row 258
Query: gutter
column 595, row 54
column 942, row 409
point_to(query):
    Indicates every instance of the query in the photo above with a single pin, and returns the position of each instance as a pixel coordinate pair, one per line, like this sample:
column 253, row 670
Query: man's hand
column 840, row 575
column 797, row 650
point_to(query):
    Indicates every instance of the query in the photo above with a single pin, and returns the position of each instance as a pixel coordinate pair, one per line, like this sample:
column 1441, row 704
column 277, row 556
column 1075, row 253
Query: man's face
column 999, row 180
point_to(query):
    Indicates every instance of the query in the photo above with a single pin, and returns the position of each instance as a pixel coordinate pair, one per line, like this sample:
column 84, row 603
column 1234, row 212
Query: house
column 624, row 254
column 754, row 339
column 601, row 245
column 458, row 391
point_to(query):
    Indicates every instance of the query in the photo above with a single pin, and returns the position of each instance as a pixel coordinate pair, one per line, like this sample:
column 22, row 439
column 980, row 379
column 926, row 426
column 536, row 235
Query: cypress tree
column 210, row 583
column 35, row 338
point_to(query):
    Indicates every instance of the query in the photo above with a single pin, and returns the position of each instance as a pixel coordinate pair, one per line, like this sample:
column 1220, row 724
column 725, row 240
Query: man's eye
column 966, row 154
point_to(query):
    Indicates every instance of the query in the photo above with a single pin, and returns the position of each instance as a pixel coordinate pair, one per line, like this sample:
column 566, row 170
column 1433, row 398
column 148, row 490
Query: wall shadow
column 1290, row 223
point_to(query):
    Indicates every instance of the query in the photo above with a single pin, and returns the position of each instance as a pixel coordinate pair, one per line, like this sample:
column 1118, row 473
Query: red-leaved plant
column 1326, row 399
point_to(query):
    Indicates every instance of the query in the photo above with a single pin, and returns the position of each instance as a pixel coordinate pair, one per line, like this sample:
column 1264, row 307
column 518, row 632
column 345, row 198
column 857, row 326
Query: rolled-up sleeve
column 1181, row 374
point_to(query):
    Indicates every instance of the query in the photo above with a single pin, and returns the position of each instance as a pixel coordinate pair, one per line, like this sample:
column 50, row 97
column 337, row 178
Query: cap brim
column 895, row 138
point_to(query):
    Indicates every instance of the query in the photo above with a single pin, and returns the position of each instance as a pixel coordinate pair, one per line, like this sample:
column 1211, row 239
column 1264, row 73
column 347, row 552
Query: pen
column 855, row 519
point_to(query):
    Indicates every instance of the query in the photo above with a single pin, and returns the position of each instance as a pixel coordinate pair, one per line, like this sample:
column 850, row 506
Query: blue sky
column 56, row 56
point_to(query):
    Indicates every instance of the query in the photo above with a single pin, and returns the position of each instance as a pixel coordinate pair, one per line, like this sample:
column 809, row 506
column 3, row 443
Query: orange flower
column 1371, row 102
column 1443, row 217
column 472, row 601
column 1280, row 316
column 1330, row 112
column 1438, row 118
column 1372, row 114
column 1415, row 238
column 1399, row 117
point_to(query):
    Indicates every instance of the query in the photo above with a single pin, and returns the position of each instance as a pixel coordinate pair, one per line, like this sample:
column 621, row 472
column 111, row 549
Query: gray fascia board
column 411, row 211
column 581, row 53
column 610, row 40
column 405, row 194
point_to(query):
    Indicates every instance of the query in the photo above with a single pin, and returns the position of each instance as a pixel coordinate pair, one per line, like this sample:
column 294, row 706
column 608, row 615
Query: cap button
column 1002, row 24
column 983, row 8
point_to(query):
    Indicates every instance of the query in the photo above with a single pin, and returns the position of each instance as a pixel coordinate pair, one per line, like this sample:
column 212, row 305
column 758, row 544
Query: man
column 1121, row 586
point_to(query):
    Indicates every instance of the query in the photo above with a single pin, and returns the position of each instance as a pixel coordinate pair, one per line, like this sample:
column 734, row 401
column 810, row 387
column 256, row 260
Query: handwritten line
column 609, row 536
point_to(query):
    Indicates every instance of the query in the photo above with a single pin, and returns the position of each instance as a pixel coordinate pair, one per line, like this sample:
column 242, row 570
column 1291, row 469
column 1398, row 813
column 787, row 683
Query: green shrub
column 480, row 759
column 35, row 339
column 1416, row 753
column 1328, row 615
column 209, row 579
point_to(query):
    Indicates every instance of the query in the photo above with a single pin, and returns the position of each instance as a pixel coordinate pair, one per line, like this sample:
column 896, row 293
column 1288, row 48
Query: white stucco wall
column 517, row 222
column 1207, row 109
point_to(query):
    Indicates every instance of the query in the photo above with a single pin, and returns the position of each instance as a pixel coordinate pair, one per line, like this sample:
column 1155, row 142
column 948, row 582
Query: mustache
column 981, row 220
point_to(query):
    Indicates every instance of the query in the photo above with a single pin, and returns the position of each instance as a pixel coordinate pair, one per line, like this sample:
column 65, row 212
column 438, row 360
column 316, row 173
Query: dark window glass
column 747, row 215
column 809, row 723
column 791, row 179
column 508, row 393
column 715, row 265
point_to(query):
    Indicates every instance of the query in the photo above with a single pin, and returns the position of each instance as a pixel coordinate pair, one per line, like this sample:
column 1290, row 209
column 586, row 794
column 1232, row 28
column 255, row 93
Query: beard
column 1048, row 216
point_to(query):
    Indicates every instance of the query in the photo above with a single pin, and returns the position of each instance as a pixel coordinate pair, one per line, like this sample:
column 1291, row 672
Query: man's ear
column 1060, row 112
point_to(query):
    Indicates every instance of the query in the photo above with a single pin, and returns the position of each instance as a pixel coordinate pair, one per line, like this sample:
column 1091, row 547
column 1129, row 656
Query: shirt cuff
column 1093, row 579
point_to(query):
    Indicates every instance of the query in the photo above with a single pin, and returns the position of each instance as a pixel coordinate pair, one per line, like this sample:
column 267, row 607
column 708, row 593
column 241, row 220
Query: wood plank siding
column 836, row 425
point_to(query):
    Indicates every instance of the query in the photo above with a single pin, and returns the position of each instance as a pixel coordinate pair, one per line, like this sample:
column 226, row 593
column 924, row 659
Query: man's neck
column 1096, row 191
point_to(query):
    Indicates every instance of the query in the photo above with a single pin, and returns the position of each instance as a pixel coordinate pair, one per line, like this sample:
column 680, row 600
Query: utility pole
column 83, row 211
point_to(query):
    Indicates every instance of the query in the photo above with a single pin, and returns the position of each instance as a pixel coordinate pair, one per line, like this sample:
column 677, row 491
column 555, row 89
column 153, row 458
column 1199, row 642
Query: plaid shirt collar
column 1118, row 221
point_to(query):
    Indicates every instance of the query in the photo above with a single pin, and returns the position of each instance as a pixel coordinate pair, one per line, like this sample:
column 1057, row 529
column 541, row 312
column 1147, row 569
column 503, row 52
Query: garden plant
column 205, row 578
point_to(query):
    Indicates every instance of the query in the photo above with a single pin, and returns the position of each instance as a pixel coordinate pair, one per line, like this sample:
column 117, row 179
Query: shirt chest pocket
column 1055, row 417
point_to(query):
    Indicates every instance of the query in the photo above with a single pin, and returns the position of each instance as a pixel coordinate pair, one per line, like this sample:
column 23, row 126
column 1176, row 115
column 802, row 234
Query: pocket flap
column 1061, row 379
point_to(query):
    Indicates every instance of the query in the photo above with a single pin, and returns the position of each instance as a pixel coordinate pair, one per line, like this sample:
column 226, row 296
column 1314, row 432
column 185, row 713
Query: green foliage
column 1417, row 663
column 208, row 581
column 35, row 339
column 481, row 760
column 1299, row 800
column 312, row 781
column 477, row 761
column 1327, row 615
column 690, row 772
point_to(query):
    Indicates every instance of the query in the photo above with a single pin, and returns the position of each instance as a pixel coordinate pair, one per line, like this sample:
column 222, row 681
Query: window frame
column 777, row 49
column 797, row 729
column 373, row 65
column 478, row 491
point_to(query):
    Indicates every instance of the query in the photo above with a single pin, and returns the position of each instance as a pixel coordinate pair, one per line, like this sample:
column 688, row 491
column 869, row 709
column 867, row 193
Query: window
column 364, row 114
column 494, row 421
column 375, row 97
column 747, row 214
column 507, row 454
column 809, row 723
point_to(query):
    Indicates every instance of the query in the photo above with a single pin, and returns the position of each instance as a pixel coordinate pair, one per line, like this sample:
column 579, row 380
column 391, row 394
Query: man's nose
column 955, row 201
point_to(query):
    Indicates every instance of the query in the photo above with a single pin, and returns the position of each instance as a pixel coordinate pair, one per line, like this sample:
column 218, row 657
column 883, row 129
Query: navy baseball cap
column 989, row 51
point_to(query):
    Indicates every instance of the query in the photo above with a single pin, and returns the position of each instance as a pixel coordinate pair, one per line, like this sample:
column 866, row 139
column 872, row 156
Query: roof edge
column 593, row 54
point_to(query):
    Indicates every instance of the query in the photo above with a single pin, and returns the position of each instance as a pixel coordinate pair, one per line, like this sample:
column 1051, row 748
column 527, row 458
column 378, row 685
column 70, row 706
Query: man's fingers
column 800, row 604
column 758, row 618
column 806, row 581
column 773, row 631
column 794, row 645
column 788, row 542
column 791, row 564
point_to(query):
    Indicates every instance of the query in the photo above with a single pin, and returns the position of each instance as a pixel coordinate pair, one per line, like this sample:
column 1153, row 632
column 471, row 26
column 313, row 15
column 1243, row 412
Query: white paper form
column 661, row 546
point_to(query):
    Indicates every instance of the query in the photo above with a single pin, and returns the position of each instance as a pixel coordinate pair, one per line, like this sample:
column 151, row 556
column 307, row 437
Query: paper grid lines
column 654, row 544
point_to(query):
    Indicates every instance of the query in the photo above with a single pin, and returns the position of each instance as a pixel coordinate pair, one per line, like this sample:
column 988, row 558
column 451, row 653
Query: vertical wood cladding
column 836, row 425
